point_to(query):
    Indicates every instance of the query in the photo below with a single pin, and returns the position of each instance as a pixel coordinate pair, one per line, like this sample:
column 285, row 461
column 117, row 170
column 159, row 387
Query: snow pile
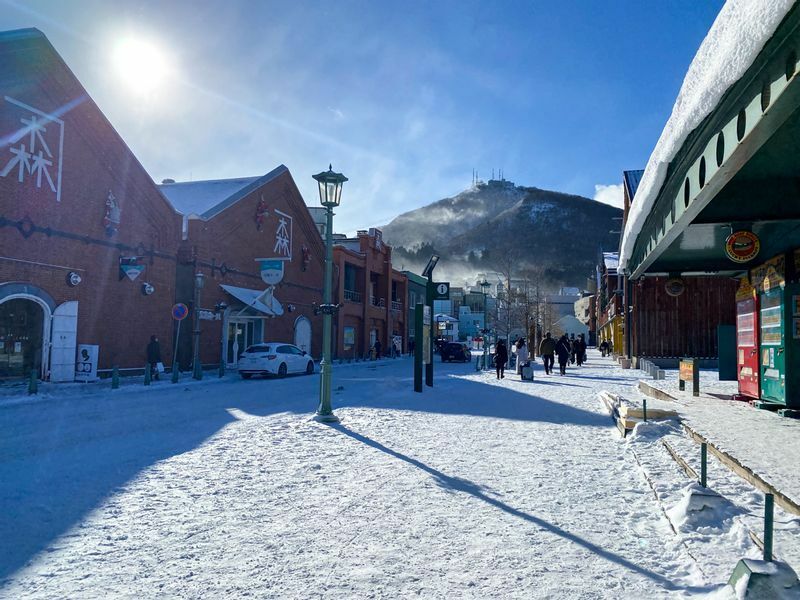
column 737, row 36
column 773, row 580
column 702, row 510
column 651, row 431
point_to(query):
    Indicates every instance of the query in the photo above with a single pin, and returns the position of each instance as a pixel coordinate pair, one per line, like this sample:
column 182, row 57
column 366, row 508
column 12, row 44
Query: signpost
column 86, row 365
column 441, row 290
column 179, row 312
column 418, row 318
column 426, row 337
column 689, row 371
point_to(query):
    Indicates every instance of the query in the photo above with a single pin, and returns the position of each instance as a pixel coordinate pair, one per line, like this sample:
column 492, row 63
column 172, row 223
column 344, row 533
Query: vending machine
column 747, row 357
column 780, row 344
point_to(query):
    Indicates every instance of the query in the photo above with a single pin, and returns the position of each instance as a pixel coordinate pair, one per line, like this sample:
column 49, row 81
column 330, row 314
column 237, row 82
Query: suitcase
column 527, row 371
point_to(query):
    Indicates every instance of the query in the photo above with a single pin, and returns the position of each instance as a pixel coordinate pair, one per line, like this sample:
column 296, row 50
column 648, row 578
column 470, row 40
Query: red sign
column 179, row 311
column 742, row 246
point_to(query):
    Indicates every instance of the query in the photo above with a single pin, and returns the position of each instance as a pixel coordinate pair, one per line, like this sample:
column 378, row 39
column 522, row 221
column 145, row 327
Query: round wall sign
column 179, row 311
column 675, row 286
column 742, row 246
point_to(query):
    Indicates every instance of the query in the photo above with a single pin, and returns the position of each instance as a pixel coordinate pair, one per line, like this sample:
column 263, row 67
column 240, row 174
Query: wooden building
column 722, row 203
column 669, row 316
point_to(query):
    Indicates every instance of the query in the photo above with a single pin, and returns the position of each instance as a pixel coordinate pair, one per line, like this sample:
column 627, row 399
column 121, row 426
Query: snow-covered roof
column 738, row 34
column 611, row 260
column 210, row 197
column 444, row 318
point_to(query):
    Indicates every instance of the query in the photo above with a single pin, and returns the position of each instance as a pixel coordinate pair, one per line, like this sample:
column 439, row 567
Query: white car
column 274, row 358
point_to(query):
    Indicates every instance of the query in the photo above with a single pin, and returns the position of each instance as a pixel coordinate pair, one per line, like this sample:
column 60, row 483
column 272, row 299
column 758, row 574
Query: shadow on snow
column 62, row 458
column 466, row 486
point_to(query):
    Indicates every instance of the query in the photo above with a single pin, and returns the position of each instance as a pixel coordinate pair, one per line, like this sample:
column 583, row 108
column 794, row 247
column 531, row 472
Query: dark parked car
column 455, row 351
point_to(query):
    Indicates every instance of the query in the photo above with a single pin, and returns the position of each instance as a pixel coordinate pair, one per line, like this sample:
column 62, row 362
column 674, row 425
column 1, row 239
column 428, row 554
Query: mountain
column 497, row 225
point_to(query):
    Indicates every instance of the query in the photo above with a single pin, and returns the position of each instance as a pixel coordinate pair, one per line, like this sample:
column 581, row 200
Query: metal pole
column 703, row 464
column 175, row 368
column 431, row 325
column 644, row 409
column 197, row 368
column 33, row 382
column 324, row 410
column 485, row 333
column 769, row 509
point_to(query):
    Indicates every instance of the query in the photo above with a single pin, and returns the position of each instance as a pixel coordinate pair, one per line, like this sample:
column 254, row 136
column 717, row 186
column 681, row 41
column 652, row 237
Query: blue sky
column 405, row 98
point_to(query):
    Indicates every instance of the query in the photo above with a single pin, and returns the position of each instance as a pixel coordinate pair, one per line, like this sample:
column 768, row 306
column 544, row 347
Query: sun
column 141, row 64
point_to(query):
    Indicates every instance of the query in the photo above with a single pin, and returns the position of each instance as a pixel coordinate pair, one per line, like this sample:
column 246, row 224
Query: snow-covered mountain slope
column 557, row 233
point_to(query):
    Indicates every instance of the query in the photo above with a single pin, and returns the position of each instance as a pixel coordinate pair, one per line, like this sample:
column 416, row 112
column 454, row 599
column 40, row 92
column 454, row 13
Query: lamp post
column 330, row 194
column 485, row 285
column 197, row 367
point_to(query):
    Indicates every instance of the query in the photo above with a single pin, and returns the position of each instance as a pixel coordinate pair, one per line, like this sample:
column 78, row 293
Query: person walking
column 579, row 349
column 571, row 342
column 563, row 350
column 500, row 358
column 522, row 355
column 547, row 348
column 153, row 356
column 603, row 348
column 377, row 349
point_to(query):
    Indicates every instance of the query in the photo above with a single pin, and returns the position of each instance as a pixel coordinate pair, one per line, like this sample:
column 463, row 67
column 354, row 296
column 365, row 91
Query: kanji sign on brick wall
column 30, row 147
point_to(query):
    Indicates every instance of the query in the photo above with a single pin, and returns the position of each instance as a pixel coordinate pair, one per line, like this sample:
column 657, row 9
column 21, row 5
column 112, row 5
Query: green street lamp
column 197, row 366
column 485, row 285
column 330, row 194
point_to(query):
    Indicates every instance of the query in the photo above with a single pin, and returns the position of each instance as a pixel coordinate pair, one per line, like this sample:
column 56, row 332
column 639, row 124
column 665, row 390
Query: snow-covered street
column 477, row 488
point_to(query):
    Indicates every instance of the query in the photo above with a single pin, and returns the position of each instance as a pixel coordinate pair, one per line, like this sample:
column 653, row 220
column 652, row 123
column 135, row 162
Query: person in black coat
column 563, row 350
column 500, row 358
column 153, row 355
column 579, row 348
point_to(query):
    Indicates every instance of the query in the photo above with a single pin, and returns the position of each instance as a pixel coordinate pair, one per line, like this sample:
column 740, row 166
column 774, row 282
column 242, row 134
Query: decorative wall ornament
column 675, row 286
column 73, row 279
column 33, row 151
column 113, row 215
column 147, row 289
column 261, row 213
column 129, row 267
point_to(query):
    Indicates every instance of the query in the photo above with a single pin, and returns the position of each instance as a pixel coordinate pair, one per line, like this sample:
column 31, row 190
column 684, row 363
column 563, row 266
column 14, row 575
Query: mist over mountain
column 497, row 225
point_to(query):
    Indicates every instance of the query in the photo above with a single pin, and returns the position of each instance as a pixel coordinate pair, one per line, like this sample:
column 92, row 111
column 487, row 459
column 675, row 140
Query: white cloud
column 609, row 194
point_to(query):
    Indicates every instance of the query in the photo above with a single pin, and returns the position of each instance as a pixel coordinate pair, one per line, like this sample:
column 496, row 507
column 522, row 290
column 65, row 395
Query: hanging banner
column 271, row 270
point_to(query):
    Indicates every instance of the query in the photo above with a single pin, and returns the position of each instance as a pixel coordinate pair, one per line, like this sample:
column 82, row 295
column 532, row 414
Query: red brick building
column 372, row 295
column 263, row 260
column 93, row 252
column 88, row 245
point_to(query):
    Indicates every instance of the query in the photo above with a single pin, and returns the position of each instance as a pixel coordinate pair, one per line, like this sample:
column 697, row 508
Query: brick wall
column 35, row 227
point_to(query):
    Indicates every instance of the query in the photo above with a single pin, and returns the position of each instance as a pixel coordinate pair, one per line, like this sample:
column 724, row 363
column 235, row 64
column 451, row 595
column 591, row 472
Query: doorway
column 241, row 333
column 22, row 329
column 302, row 334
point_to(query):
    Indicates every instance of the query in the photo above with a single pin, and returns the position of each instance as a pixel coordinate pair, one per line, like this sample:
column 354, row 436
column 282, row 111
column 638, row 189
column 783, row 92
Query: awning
column 256, row 299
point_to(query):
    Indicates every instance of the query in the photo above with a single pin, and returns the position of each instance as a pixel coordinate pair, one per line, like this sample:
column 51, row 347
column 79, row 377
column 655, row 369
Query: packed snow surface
column 737, row 36
column 476, row 488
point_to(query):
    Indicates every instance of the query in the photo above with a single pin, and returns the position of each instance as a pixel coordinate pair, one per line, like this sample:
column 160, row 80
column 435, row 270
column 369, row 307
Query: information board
column 86, row 363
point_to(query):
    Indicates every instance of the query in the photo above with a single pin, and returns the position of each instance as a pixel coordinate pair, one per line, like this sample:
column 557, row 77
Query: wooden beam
column 746, row 473
column 690, row 472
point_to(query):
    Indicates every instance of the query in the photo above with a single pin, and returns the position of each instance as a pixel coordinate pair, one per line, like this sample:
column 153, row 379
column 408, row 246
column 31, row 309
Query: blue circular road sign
column 180, row 311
